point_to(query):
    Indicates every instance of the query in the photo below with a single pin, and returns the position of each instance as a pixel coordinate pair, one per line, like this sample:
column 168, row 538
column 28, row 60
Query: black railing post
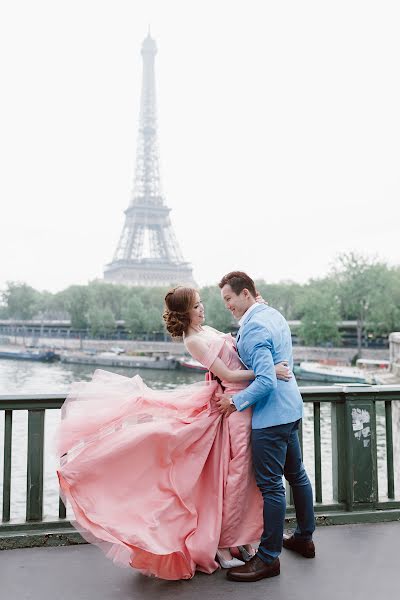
column 362, row 471
column 8, row 419
column 339, row 454
column 34, row 477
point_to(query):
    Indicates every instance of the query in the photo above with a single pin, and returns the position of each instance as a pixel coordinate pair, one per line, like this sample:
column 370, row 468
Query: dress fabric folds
column 159, row 479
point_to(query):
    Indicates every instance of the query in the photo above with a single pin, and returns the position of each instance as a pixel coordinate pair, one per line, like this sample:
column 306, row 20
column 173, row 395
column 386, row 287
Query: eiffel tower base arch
column 147, row 274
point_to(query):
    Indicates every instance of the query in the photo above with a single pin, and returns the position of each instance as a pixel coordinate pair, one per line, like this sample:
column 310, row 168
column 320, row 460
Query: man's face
column 237, row 304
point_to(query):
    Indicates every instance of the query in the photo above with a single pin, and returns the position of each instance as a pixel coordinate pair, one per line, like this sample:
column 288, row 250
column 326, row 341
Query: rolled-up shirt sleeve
column 257, row 346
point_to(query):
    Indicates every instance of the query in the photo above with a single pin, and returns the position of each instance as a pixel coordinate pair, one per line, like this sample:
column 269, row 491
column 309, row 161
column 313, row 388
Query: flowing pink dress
column 159, row 479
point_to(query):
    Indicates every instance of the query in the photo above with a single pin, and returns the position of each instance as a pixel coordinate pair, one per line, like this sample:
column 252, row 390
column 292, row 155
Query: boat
column 373, row 364
column 191, row 364
column 47, row 356
column 111, row 359
column 314, row 371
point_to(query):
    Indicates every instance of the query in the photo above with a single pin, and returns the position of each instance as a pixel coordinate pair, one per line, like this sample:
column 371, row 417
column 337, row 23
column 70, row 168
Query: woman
column 159, row 479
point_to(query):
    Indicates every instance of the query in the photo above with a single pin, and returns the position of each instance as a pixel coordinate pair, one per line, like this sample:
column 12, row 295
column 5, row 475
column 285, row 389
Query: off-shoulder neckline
column 207, row 328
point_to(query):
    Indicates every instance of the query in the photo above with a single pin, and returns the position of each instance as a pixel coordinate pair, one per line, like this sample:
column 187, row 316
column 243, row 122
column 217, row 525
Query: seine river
column 19, row 377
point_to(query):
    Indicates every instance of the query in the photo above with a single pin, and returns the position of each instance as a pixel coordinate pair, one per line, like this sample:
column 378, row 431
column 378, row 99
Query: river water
column 18, row 377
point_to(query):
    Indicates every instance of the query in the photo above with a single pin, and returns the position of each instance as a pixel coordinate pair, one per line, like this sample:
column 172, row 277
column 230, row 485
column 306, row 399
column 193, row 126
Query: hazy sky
column 279, row 130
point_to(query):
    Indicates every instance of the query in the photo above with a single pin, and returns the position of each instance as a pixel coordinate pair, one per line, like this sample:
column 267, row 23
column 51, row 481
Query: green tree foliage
column 21, row 300
column 367, row 293
column 106, row 295
column 75, row 300
column 215, row 312
column 142, row 310
column 287, row 297
column 357, row 288
column 134, row 315
column 101, row 321
column 385, row 307
column 320, row 314
column 153, row 322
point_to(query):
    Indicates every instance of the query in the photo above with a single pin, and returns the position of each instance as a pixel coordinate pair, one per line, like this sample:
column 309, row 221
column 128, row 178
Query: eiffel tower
column 148, row 253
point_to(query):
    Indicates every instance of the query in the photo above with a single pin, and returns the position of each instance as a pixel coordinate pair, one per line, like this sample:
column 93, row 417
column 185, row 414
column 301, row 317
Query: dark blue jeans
column 276, row 452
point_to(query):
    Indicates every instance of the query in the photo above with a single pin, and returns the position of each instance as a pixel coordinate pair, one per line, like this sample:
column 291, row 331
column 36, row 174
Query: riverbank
column 300, row 353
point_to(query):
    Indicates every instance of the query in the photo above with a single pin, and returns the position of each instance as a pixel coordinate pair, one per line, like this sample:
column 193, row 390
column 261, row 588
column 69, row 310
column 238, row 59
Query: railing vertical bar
column 317, row 451
column 62, row 511
column 338, row 451
column 289, row 495
column 8, row 415
column 34, row 491
column 389, row 449
column 291, row 500
column 301, row 435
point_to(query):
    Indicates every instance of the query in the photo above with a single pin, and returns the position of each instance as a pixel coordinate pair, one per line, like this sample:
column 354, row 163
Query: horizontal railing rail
column 353, row 447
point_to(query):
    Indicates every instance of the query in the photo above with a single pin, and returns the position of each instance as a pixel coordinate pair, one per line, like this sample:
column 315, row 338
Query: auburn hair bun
column 178, row 303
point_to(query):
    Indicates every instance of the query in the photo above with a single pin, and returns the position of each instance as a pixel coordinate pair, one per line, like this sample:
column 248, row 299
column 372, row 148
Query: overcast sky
column 279, row 131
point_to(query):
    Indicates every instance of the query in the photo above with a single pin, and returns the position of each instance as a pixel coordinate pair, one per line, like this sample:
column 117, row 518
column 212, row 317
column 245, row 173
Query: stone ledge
column 31, row 538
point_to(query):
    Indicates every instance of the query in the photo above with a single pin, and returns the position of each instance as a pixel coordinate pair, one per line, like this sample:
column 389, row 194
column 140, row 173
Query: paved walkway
column 353, row 562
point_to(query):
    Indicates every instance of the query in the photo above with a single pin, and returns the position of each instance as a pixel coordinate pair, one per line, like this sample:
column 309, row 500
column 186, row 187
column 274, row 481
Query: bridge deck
column 353, row 562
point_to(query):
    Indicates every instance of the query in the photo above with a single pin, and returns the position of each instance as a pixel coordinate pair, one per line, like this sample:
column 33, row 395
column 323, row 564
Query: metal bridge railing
column 353, row 446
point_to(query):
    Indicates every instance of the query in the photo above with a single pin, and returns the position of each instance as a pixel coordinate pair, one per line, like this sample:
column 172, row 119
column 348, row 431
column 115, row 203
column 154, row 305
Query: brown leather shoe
column 305, row 548
column 254, row 570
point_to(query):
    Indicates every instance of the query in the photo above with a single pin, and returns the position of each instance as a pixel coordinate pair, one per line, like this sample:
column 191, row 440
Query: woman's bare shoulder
column 195, row 340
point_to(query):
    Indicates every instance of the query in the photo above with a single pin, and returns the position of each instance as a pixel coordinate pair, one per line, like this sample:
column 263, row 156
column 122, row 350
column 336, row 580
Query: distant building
column 148, row 253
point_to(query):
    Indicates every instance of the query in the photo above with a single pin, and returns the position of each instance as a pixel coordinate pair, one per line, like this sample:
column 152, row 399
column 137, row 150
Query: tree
column 75, row 299
column 287, row 297
column 101, row 321
column 361, row 289
column 107, row 295
column 384, row 309
column 134, row 315
column 321, row 314
column 152, row 320
column 215, row 312
column 21, row 300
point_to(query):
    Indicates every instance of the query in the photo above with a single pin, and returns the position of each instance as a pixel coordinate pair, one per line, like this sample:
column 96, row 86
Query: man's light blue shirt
column 263, row 340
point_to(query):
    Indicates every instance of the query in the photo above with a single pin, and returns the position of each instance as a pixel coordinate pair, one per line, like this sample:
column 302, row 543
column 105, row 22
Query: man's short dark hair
column 238, row 282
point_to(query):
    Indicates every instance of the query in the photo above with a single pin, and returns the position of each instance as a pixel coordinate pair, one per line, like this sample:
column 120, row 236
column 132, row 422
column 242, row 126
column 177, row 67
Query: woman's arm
column 220, row 369
column 198, row 349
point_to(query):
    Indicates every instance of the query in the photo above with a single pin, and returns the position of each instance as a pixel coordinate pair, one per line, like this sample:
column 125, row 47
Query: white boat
column 314, row 371
column 373, row 364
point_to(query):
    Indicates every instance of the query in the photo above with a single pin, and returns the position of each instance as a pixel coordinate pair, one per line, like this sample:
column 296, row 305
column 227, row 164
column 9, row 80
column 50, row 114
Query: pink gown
column 159, row 479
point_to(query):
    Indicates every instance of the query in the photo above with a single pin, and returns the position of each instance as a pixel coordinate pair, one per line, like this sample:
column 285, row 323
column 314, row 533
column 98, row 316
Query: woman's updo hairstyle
column 178, row 303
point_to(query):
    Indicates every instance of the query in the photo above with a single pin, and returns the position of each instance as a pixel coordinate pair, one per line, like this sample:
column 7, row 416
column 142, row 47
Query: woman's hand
column 260, row 299
column 283, row 371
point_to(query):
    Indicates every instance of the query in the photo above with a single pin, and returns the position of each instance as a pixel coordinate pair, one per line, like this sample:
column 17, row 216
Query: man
column 263, row 340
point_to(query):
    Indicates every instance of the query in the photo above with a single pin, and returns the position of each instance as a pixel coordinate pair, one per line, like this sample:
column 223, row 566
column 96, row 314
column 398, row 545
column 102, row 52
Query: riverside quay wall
column 300, row 353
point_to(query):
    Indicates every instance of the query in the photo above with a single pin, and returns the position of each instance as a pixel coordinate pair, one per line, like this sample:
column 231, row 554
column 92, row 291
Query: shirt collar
column 248, row 311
